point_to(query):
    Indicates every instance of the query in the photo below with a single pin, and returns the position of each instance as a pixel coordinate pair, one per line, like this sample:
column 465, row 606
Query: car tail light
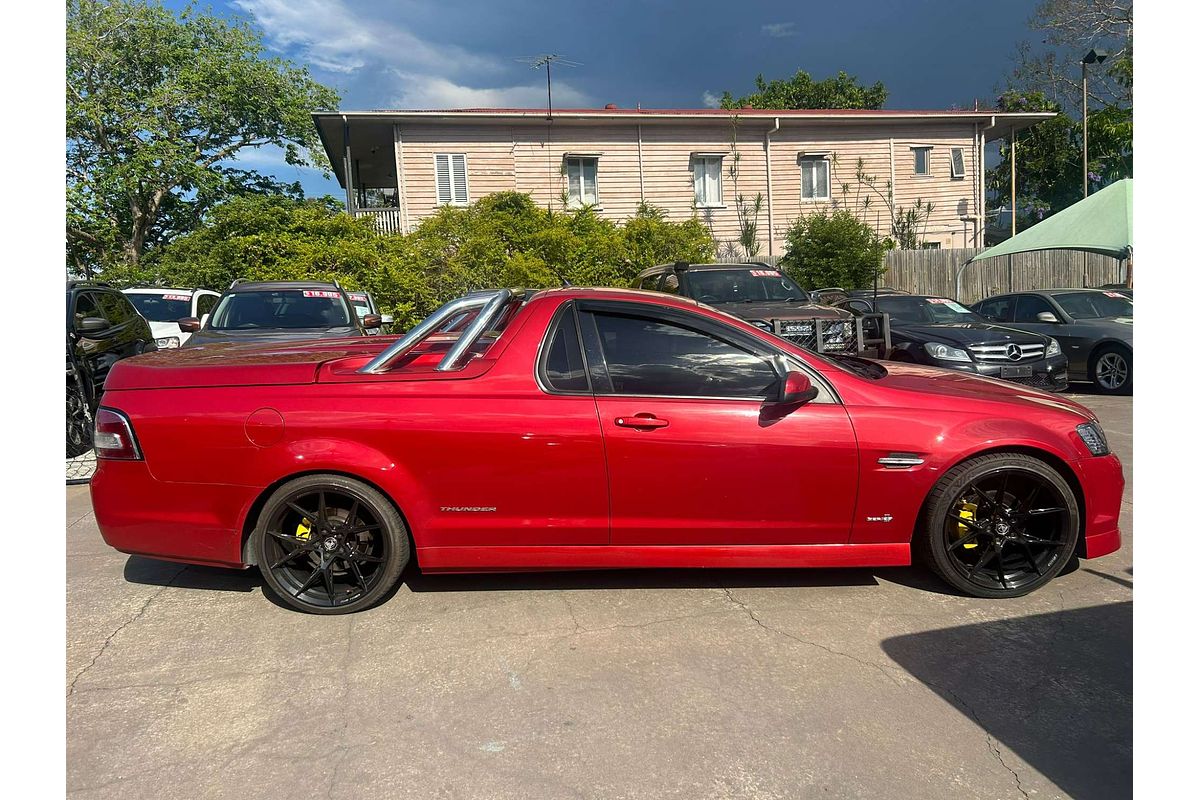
column 114, row 437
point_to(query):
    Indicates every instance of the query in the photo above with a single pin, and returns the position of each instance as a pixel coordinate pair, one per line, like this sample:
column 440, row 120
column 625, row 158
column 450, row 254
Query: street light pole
column 1092, row 57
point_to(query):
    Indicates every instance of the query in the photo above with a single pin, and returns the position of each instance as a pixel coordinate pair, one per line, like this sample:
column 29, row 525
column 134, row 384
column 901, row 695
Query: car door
column 96, row 351
column 996, row 309
column 692, row 457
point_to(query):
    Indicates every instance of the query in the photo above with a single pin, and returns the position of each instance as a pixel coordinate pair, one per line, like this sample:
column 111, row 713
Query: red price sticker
column 764, row 273
column 319, row 293
column 939, row 300
column 357, row 296
column 187, row 298
column 1114, row 294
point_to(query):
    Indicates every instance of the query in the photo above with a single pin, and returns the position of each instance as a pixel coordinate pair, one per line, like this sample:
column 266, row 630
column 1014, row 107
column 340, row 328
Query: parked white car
column 163, row 308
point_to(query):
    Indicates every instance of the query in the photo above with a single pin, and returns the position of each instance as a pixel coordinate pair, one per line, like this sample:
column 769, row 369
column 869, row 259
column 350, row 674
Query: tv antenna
column 547, row 60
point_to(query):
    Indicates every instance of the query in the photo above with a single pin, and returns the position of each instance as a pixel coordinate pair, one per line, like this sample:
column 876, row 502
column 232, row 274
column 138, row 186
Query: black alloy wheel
column 328, row 544
column 79, row 426
column 1000, row 525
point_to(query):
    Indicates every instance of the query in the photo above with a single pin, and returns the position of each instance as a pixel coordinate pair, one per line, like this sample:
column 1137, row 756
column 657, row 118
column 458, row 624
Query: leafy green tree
column 157, row 105
column 801, row 91
column 833, row 248
column 503, row 239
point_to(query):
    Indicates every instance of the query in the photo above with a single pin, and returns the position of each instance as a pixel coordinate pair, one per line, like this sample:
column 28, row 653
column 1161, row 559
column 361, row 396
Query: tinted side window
column 115, row 307
column 565, row 370
column 998, row 308
column 205, row 304
column 1029, row 306
column 650, row 281
column 85, row 306
column 653, row 357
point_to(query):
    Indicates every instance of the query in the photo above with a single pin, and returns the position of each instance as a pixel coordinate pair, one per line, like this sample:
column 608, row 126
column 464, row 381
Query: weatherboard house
column 399, row 167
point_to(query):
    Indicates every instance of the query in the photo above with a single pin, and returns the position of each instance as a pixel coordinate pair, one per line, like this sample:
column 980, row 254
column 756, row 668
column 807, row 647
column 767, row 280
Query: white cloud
column 426, row 91
column 710, row 100
column 779, row 30
column 331, row 36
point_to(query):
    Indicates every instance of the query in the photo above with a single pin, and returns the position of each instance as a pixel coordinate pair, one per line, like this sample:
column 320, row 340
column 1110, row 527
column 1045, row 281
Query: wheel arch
column 1109, row 342
column 250, row 518
column 1052, row 459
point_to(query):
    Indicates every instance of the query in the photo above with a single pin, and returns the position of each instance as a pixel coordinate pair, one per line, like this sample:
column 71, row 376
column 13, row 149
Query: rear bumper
column 1103, row 484
column 191, row 523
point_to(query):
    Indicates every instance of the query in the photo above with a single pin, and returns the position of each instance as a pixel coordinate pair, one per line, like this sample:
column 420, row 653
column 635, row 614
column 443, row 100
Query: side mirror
column 1046, row 316
column 92, row 325
column 371, row 321
column 795, row 389
column 189, row 324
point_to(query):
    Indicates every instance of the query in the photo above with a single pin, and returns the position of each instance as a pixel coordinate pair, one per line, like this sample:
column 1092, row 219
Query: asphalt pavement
column 187, row 682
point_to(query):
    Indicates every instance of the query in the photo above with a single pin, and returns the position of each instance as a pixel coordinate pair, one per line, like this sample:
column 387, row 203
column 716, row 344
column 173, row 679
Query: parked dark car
column 102, row 328
column 1094, row 326
column 270, row 311
column 759, row 294
column 940, row 332
column 364, row 305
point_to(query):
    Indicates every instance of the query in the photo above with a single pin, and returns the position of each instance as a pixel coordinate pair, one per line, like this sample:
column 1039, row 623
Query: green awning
column 1100, row 223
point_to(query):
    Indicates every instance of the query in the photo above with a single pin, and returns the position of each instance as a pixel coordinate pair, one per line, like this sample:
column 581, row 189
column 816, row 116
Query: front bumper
column 1047, row 373
column 1103, row 483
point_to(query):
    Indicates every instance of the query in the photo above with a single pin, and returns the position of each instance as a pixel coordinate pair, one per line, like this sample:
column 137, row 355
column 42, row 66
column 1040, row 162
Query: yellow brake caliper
column 304, row 530
column 966, row 511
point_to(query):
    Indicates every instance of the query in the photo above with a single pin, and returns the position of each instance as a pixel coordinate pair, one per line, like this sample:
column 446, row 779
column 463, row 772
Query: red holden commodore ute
column 589, row 429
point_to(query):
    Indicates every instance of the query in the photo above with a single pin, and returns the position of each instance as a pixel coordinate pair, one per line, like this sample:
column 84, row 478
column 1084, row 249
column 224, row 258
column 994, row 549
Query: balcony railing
column 387, row 220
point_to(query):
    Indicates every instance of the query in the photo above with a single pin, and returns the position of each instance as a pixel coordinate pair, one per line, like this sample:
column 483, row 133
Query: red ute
column 589, row 428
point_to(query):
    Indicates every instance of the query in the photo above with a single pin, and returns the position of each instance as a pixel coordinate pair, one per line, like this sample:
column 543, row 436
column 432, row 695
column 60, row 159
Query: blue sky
column 409, row 54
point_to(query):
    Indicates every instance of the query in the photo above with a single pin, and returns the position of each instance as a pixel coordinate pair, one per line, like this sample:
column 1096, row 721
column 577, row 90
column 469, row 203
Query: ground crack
column 108, row 640
column 342, row 748
column 750, row 613
column 991, row 741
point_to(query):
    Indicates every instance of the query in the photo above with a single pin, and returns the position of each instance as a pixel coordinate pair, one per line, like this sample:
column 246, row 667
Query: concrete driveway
column 187, row 682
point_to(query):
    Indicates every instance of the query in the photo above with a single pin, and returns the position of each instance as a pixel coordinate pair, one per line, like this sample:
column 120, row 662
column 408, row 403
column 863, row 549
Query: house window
column 958, row 168
column 706, row 174
column 921, row 160
column 451, row 170
column 814, row 178
column 581, row 181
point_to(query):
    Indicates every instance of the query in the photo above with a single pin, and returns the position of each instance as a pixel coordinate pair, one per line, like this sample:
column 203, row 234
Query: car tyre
column 330, row 544
column 79, row 428
column 999, row 525
column 1111, row 370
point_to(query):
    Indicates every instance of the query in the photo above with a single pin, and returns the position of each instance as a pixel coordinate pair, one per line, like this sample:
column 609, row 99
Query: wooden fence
column 934, row 271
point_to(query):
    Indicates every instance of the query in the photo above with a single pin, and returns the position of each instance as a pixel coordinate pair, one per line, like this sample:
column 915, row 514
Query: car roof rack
column 73, row 284
column 236, row 281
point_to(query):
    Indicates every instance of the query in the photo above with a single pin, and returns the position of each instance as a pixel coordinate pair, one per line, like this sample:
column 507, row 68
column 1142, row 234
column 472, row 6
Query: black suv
column 759, row 294
column 940, row 332
column 102, row 328
column 272, row 311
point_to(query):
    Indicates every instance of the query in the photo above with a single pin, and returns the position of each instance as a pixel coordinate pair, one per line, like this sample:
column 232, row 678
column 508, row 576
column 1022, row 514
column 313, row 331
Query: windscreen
column 743, row 286
column 362, row 306
column 164, row 307
column 1095, row 305
column 285, row 308
column 927, row 310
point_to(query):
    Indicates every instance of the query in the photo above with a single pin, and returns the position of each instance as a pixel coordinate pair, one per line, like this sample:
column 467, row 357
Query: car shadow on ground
column 1056, row 689
column 151, row 572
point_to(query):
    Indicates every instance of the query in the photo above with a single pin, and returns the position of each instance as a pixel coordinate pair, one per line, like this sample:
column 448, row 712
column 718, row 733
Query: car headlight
column 1053, row 348
column 1093, row 436
column 944, row 352
column 167, row 342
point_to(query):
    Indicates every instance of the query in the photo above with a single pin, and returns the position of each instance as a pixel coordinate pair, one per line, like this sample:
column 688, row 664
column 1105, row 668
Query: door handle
column 642, row 421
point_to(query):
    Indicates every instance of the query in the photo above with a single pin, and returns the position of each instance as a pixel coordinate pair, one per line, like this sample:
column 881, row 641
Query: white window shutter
column 698, row 180
column 822, row 182
column 459, row 163
column 806, row 179
column 442, row 164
